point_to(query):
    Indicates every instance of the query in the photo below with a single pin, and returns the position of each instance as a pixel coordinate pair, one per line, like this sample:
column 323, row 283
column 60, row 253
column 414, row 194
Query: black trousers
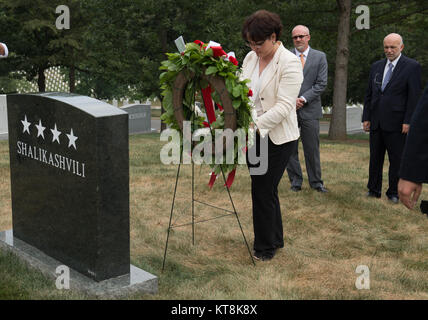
column 267, row 220
column 380, row 142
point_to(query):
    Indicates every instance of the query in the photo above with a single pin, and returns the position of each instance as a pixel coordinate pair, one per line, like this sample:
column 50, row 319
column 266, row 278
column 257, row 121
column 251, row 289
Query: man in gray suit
column 309, row 111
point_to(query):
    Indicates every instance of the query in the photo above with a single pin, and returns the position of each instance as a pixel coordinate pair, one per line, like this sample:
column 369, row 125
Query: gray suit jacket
column 314, row 84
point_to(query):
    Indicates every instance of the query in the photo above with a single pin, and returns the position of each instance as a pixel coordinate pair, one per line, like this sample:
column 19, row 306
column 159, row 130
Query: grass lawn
column 327, row 236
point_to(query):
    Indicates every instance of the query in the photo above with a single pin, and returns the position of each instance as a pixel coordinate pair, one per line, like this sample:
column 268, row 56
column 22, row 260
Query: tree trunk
column 41, row 80
column 162, row 124
column 337, row 129
column 72, row 78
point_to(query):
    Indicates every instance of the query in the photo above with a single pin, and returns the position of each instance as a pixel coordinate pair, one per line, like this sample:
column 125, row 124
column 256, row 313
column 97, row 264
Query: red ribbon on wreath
column 209, row 106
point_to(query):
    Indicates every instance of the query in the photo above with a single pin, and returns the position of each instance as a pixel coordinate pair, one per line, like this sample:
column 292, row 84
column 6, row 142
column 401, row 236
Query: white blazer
column 278, row 94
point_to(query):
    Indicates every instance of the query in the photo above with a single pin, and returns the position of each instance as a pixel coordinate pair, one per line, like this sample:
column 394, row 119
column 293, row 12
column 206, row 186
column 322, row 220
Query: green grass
column 326, row 235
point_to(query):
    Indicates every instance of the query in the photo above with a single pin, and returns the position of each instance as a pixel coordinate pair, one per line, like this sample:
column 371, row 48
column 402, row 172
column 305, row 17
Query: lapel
column 275, row 61
column 309, row 61
column 250, row 67
column 379, row 75
column 309, row 58
column 395, row 73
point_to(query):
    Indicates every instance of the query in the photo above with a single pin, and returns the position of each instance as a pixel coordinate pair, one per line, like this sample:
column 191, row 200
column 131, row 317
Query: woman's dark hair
column 260, row 25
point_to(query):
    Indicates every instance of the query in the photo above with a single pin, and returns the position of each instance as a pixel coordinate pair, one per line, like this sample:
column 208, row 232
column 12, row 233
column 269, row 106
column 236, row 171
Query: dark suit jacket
column 414, row 164
column 314, row 83
column 395, row 105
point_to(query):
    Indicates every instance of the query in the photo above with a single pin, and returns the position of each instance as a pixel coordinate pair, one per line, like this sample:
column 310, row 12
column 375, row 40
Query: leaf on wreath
column 211, row 70
column 236, row 92
column 236, row 103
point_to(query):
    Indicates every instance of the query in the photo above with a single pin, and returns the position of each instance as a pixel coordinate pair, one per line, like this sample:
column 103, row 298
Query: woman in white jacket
column 276, row 76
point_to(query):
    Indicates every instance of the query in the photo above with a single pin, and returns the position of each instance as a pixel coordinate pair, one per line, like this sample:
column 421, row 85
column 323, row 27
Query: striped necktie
column 387, row 76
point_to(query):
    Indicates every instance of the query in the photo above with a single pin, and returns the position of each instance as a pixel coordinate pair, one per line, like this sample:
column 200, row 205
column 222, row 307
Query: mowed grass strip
column 326, row 235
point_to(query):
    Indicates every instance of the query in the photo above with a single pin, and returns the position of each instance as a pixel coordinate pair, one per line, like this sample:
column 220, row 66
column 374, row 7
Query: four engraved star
column 40, row 129
column 26, row 125
column 72, row 139
column 55, row 132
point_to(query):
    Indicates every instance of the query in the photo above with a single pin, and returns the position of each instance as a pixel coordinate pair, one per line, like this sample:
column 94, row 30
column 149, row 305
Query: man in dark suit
column 392, row 94
column 414, row 164
column 309, row 111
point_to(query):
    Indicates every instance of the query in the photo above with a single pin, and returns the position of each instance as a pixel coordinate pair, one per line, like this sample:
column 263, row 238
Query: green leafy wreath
column 195, row 70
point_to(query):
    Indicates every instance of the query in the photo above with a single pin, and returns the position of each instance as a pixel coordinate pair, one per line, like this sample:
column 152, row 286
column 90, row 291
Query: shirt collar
column 394, row 62
column 305, row 53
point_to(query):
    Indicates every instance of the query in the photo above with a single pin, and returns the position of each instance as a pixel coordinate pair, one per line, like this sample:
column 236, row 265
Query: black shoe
column 296, row 188
column 265, row 255
column 393, row 199
column 321, row 189
column 373, row 194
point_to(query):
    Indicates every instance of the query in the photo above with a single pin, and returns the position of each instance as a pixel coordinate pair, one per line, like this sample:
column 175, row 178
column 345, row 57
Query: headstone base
column 137, row 281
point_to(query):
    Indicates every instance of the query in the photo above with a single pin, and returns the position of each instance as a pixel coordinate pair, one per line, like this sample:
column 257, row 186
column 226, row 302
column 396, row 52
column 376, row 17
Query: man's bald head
column 301, row 37
column 392, row 46
column 300, row 29
column 394, row 37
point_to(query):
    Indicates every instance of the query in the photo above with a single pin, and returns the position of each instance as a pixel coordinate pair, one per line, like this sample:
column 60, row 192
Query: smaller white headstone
column 3, row 114
column 353, row 119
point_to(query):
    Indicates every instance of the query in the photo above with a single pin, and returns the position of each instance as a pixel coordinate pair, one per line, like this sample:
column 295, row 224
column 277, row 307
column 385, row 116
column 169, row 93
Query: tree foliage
column 114, row 47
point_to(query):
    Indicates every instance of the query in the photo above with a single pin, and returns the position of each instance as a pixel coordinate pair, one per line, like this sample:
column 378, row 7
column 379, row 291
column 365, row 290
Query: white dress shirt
column 305, row 56
column 394, row 63
column 256, row 80
column 305, row 53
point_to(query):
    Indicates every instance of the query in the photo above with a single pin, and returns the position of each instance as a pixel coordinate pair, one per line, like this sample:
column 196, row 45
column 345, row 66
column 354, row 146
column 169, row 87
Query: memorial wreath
column 206, row 68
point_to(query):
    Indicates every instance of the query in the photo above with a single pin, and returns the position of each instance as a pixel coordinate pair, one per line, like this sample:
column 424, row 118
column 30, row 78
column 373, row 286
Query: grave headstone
column 353, row 119
column 69, row 166
column 3, row 114
column 139, row 118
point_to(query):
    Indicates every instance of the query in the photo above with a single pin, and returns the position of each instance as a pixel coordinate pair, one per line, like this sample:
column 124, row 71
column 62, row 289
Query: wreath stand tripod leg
column 193, row 216
column 237, row 218
column 170, row 217
column 193, row 203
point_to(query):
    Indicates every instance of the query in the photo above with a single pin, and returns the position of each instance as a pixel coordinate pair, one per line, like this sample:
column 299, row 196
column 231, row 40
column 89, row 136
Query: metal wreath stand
column 218, row 84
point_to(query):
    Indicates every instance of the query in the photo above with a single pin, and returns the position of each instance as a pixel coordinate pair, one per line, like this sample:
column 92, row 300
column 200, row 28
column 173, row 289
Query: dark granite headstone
column 69, row 161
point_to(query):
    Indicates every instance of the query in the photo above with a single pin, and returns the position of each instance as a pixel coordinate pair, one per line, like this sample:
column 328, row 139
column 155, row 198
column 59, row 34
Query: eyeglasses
column 255, row 44
column 299, row 37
